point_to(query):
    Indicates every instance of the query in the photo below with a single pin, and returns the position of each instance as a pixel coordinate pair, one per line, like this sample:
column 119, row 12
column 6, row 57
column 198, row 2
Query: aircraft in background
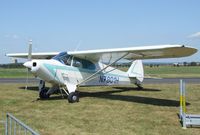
column 70, row 70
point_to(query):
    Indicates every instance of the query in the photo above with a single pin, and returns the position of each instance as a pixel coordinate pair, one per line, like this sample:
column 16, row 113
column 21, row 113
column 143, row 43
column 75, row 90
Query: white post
column 184, row 106
column 181, row 99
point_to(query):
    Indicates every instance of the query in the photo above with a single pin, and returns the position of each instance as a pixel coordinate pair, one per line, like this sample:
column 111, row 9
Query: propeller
column 29, row 62
column 30, row 50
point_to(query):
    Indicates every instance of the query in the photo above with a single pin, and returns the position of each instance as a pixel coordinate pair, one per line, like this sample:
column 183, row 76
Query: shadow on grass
column 33, row 88
column 55, row 97
column 111, row 96
column 136, row 89
column 135, row 99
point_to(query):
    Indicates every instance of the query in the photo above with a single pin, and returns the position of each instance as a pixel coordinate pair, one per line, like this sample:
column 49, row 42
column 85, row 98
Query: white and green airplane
column 70, row 70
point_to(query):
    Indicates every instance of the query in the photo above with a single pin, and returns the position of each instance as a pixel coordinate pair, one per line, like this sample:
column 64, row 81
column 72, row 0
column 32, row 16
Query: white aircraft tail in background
column 70, row 70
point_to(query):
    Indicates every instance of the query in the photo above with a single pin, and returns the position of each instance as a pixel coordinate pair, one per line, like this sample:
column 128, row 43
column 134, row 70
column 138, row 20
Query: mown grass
column 103, row 110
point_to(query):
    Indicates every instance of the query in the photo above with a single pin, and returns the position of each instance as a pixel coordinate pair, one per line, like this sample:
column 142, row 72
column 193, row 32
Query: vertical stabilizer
column 136, row 70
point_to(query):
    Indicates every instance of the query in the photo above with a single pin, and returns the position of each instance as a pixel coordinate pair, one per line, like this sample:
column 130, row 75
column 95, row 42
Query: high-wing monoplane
column 70, row 70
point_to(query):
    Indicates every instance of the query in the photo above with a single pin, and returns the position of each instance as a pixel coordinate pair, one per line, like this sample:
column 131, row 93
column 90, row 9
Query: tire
column 140, row 88
column 73, row 97
column 43, row 94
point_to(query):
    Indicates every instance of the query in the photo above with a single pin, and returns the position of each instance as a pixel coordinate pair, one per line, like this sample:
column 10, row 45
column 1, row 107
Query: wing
column 131, row 53
column 145, row 52
column 47, row 55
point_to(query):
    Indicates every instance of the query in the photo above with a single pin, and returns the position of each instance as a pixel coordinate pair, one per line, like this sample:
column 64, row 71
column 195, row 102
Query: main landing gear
column 44, row 93
column 42, row 90
column 73, row 97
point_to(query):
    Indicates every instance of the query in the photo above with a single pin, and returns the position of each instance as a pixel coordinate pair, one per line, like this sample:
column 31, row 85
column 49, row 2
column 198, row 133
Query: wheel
column 73, row 97
column 139, row 86
column 43, row 94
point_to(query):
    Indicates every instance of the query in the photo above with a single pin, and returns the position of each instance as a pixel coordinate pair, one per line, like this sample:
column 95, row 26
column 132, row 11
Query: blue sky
column 92, row 24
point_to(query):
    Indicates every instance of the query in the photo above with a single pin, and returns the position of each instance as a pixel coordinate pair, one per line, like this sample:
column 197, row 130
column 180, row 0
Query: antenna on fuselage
column 78, row 45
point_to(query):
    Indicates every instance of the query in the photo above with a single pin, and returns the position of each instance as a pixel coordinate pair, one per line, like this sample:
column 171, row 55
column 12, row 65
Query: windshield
column 66, row 59
column 63, row 57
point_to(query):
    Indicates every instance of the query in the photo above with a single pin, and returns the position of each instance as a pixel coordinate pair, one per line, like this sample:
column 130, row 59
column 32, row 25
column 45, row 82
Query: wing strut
column 91, row 77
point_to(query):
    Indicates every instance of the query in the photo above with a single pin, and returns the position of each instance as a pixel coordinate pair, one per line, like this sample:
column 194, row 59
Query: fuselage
column 58, row 73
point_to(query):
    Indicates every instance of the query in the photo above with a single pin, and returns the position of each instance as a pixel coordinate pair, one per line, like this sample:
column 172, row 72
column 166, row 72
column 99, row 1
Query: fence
column 187, row 120
column 13, row 126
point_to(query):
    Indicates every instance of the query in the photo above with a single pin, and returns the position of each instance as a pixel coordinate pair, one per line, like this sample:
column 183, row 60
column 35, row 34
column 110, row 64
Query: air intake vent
column 34, row 64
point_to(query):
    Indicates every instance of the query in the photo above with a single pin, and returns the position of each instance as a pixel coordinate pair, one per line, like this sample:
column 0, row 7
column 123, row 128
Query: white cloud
column 195, row 35
column 13, row 36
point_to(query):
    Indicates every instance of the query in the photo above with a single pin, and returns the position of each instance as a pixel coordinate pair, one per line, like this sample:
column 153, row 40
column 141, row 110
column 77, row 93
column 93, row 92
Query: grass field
column 103, row 110
column 13, row 72
column 161, row 71
column 170, row 71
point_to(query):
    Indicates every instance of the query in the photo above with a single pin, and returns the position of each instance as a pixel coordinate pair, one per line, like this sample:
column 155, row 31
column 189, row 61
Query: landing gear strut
column 42, row 91
column 70, row 90
column 73, row 97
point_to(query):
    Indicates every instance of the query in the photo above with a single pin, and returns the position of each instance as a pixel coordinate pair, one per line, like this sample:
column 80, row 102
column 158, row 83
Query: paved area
column 146, row 81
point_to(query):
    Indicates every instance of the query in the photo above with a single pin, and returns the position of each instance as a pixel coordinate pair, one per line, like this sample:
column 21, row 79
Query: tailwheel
column 139, row 86
column 43, row 94
column 73, row 97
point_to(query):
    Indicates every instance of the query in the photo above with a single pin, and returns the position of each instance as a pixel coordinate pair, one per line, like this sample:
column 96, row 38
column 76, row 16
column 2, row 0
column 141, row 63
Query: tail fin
column 136, row 70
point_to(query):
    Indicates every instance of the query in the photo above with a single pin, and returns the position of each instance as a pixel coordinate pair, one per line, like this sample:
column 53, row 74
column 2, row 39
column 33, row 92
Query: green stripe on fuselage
column 52, row 70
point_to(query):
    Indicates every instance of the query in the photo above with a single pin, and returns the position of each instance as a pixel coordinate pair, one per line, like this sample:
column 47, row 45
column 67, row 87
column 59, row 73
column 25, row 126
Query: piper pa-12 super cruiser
column 70, row 70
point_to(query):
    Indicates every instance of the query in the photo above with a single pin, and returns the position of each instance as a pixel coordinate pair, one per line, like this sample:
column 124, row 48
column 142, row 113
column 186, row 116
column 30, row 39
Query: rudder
column 136, row 70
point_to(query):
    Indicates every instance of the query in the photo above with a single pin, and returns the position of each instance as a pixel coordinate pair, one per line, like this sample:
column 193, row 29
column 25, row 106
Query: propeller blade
column 30, row 50
column 28, row 63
